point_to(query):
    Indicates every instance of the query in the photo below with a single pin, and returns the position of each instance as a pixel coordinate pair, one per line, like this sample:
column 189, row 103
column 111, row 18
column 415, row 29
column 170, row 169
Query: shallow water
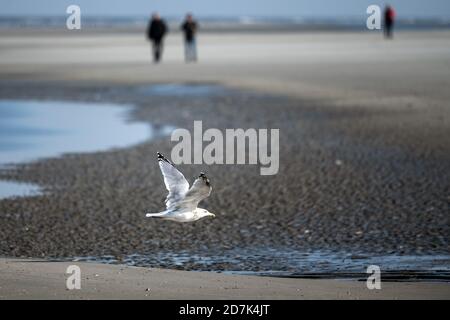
column 10, row 189
column 179, row 89
column 286, row 262
column 31, row 130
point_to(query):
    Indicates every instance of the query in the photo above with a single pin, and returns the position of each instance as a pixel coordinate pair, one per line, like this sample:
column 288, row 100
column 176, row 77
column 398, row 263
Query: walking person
column 389, row 16
column 189, row 27
column 156, row 31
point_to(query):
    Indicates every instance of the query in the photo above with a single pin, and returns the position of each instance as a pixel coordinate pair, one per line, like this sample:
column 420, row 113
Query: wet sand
column 339, row 67
column 26, row 279
column 364, row 135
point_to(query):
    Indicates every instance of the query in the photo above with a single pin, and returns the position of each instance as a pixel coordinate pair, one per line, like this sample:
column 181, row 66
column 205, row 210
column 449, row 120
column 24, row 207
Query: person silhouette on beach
column 389, row 17
column 189, row 27
column 157, row 28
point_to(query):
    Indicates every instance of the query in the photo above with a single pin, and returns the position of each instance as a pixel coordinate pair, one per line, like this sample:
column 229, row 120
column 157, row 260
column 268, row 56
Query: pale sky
column 279, row 8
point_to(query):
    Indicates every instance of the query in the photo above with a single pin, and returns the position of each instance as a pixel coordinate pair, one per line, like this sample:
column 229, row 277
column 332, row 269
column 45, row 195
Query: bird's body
column 182, row 201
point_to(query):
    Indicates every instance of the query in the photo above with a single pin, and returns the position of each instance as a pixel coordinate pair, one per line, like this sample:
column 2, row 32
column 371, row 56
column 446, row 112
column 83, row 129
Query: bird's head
column 205, row 213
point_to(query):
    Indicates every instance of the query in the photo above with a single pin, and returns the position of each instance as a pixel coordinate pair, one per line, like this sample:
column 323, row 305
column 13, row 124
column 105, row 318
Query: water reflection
column 287, row 262
column 31, row 130
column 10, row 189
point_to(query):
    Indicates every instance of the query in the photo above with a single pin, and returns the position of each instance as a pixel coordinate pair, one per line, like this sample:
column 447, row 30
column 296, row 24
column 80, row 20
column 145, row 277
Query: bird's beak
column 213, row 215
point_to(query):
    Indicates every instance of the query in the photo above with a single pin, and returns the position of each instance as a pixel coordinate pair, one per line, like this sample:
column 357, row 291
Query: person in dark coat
column 189, row 28
column 389, row 16
column 156, row 31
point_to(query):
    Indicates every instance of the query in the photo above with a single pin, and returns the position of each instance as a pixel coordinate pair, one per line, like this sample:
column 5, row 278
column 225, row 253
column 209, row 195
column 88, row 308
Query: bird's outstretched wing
column 201, row 189
column 174, row 180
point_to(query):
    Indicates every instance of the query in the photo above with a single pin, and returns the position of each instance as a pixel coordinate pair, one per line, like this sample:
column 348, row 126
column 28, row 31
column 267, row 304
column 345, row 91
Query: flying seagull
column 182, row 201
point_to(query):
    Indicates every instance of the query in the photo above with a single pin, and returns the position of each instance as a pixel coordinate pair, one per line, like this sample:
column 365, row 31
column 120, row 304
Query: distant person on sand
column 189, row 27
column 389, row 16
column 157, row 28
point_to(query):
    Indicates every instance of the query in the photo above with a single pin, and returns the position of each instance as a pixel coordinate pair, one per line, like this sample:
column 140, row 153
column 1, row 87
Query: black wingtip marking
column 204, row 178
column 161, row 157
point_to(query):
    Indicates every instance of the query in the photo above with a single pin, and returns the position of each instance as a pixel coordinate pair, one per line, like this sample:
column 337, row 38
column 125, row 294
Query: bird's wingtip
column 204, row 178
column 161, row 157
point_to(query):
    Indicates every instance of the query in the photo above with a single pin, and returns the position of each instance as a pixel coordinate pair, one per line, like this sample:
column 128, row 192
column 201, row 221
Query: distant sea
column 214, row 24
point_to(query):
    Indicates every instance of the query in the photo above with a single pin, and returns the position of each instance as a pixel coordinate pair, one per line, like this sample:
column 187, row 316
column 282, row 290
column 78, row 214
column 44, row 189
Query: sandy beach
column 364, row 162
column 342, row 67
column 34, row 279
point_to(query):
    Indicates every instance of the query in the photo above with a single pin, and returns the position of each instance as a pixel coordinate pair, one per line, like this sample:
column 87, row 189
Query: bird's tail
column 155, row 215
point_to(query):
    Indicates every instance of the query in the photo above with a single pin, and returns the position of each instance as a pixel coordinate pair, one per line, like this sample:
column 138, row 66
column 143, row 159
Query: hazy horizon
column 289, row 9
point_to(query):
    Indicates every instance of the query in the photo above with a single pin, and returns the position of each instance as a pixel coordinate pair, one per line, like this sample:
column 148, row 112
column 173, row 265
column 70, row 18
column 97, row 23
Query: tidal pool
column 181, row 89
column 287, row 262
column 31, row 130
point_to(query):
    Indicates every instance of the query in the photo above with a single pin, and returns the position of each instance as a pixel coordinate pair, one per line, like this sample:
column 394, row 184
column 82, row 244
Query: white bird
column 182, row 201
